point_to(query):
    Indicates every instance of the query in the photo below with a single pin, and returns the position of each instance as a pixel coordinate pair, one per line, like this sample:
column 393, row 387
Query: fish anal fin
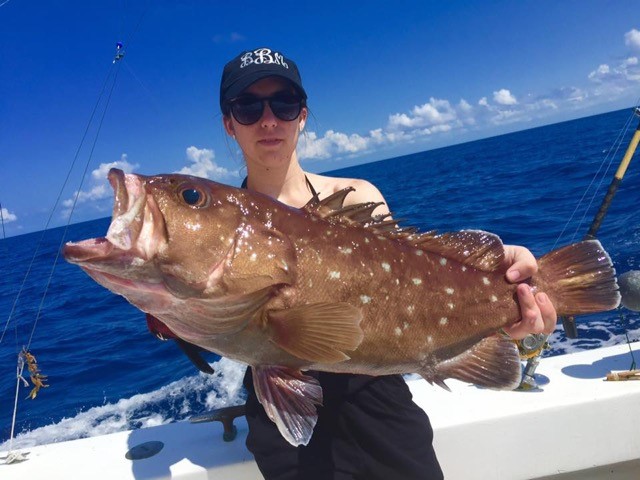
column 289, row 398
column 319, row 332
column 493, row 363
column 475, row 248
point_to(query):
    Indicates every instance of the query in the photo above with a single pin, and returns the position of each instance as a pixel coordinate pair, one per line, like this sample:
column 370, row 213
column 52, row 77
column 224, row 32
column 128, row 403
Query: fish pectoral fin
column 289, row 398
column 319, row 332
column 493, row 362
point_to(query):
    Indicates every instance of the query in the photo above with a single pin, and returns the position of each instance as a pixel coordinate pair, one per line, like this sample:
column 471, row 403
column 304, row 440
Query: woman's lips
column 268, row 142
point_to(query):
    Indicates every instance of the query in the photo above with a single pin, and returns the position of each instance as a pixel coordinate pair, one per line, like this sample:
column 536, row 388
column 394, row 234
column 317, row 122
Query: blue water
column 107, row 373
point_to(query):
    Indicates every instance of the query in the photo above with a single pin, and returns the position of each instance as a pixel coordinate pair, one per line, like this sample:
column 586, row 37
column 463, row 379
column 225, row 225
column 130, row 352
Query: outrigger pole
column 531, row 346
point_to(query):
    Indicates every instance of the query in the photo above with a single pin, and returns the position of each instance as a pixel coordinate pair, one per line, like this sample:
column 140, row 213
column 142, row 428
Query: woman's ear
column 302, row 119
column 228, row 125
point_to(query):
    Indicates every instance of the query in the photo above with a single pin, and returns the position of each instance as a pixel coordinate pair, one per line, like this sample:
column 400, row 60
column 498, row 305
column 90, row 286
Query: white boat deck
column 576, row 426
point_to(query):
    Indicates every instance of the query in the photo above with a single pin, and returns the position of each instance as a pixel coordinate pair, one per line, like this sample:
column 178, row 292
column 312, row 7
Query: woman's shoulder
column 364, row 191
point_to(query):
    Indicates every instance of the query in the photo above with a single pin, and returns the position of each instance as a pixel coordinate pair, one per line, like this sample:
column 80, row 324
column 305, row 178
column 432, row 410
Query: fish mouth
column 137, row 226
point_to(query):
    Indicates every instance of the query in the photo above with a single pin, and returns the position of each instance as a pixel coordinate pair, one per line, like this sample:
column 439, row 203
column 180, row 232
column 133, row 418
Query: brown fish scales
column 324, row 287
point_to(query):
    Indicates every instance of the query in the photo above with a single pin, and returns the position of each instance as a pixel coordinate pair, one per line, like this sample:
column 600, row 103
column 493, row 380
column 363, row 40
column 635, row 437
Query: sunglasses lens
column 286, row 108
column 247, row 110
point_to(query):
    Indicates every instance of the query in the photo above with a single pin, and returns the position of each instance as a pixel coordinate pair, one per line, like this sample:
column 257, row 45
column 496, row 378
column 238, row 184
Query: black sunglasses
column 248, row 109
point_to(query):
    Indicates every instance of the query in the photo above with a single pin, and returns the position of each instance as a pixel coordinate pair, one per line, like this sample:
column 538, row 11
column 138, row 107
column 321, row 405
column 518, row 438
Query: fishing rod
column 532, row 345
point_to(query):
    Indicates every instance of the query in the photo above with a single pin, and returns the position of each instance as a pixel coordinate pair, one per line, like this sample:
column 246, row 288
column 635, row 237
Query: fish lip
column 86, row 250
column 137, row 227
column 116, row 178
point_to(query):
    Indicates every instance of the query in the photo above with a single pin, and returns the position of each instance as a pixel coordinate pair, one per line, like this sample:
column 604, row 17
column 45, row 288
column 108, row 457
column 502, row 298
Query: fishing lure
column 37, row 378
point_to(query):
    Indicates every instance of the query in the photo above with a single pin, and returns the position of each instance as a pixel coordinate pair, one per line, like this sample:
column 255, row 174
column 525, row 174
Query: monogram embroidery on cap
column 263, row 55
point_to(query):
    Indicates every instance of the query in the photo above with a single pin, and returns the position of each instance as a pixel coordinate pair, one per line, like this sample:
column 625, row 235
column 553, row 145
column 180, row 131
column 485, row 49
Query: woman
column 368, row 427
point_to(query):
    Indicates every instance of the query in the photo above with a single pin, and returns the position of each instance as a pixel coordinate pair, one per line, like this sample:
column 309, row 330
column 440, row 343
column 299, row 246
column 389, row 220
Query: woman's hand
column 537, row 313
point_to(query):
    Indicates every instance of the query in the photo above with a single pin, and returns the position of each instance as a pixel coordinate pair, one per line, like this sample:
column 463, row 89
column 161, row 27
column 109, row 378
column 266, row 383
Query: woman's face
column 270, row 142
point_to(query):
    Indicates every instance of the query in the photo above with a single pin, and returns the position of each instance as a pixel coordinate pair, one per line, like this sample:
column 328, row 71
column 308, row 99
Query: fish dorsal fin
column 332, row 209
column 329, row 204
column 476, row 248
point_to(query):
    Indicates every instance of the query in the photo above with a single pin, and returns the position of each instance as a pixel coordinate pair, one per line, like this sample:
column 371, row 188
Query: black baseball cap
column 253, row 65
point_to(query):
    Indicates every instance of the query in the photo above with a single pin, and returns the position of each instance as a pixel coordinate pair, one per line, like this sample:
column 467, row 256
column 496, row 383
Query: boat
column 573, row 425
column 578, row 418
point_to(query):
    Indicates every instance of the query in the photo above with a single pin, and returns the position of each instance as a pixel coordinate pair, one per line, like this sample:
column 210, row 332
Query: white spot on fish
column 430, row 339
column 386, row 267
column 366, row 240
column 397, row 331
column 365, row 298
column 486, row 281
column 449, row 291
column 416, row 281
column 450, row 305
column 405, row 325
column 411, row 308
column 346, row 251
column 253, row 257
column 464, row 269
column 334, row 275
column 494, row 298
column 443, row 261
column 444, row 321
column 419, row 253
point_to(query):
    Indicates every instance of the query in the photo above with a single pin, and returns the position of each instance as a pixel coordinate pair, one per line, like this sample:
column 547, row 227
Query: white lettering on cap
column 263, row 56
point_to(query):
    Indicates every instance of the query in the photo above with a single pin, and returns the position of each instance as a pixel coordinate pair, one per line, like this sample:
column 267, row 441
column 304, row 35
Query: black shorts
column 368, row 428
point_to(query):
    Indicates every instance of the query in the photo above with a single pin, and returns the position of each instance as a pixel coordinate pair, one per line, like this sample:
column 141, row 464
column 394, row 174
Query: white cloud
column 599, row 73
column 632, row 39
column 438, row 116
column 333, row 143
column 504, row 97
column 203, row 165
column 7, row 216
column 98, row 190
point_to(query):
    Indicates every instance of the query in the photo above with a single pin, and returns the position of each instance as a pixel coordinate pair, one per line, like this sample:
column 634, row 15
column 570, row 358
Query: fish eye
column 193, row 197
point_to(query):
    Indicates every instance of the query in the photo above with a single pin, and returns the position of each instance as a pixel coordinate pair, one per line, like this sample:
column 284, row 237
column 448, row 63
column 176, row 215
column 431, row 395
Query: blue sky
column 384, row 79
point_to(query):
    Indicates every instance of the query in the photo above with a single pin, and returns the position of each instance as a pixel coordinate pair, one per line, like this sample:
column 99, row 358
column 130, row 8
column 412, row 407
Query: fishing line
column 55, row 205
column 611, row 153
column 617, row 144
column 73, row 206
column 75, row 158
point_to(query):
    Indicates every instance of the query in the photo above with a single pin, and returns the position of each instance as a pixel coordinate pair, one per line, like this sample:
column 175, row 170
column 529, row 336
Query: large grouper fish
column 325, row 287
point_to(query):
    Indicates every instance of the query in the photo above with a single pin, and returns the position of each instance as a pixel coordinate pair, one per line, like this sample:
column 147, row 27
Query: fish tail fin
column 579, row 279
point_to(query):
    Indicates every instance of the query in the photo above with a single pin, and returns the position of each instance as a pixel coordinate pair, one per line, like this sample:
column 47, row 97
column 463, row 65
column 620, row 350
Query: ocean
column 539, row 188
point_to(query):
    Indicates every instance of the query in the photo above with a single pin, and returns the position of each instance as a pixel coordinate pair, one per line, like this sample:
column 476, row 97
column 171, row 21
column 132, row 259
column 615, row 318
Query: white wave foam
column 175, row 401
